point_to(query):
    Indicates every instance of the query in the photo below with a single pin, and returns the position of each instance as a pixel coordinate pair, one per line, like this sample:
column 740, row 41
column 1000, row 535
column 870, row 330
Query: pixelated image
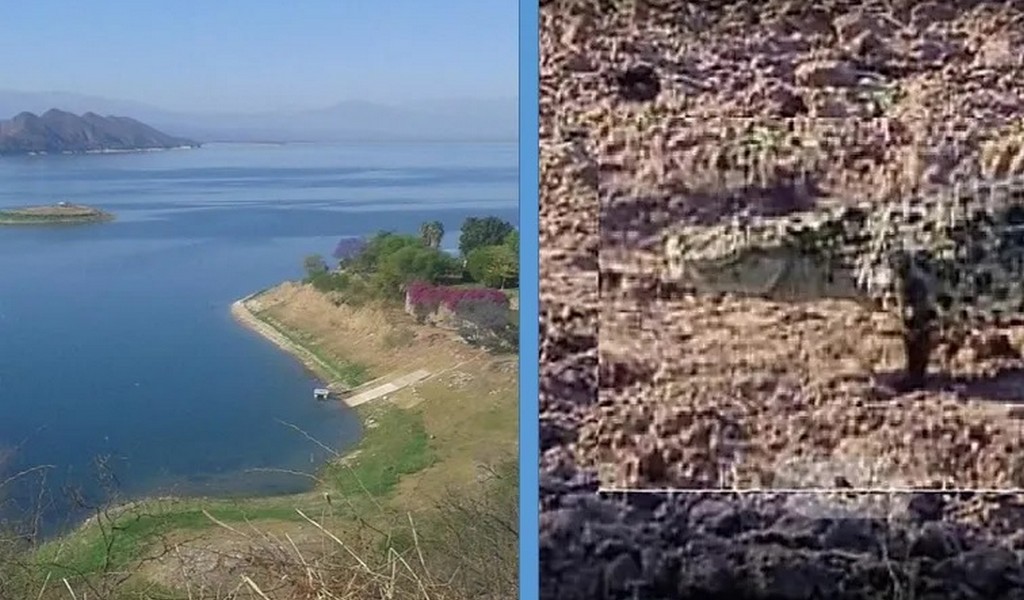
column 782, row 255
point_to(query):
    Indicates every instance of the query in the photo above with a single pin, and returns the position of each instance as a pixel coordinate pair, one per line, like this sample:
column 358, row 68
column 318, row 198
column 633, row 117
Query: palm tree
column 438, row 234
column 432, row 233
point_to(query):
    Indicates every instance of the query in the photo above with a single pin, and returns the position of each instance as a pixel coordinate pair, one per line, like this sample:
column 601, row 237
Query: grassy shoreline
column 415, row 446
column 330, row 373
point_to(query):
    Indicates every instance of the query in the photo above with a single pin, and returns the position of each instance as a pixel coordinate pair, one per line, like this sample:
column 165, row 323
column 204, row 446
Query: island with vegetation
column 61, row 213
column 61, row 132
column 423, row 344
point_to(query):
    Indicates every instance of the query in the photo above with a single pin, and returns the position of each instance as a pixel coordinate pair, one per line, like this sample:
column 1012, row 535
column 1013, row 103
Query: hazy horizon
column 262, row 56
column 107, row 98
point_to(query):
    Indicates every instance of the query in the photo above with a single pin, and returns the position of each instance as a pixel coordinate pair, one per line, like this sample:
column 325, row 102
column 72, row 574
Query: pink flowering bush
column 482, row 315
column 426, row 298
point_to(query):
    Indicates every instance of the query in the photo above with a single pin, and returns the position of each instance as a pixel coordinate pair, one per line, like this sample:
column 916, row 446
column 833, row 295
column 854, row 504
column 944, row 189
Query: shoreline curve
column 248, row 319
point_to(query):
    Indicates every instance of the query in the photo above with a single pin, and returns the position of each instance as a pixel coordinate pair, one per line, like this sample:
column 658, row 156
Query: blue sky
column 251, row 55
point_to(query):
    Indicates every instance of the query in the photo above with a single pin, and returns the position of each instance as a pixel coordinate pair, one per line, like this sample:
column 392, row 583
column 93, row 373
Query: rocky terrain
column 57, row 131
column 654, row 113
column 769, row 545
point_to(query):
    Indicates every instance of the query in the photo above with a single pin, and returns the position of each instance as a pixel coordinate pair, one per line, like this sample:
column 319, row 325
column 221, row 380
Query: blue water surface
column 116, row 340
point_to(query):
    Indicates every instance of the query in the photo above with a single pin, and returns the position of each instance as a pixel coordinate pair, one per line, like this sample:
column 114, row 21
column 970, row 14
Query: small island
column 54, row 214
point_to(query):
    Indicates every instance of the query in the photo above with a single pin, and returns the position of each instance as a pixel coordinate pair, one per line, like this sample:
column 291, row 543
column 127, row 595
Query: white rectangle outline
column 795, row 491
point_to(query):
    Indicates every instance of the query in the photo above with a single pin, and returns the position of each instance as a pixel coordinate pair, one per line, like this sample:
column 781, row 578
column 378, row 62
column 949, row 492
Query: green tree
column 493, row 266
column 432, row 232
column 411, row 263
column 379, row 247
column 477, row 233
column 315, row 265
column 512, row 241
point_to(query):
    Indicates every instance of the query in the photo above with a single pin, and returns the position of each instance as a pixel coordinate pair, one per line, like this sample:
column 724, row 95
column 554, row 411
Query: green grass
column 130, row 534
column 350, row 373
column 396, row 444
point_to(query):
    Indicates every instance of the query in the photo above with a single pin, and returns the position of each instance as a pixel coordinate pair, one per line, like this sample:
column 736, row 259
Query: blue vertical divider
column 529, row 330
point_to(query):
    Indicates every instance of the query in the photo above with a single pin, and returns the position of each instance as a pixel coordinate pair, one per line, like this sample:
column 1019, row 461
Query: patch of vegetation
column 475, row 536
column 470, row 539
column 53, row 215
column 314, row 264
column 488, row 325
column 399, row 337
column 381, row 268
column 395, row 443
column 432, row 232
column 483, row 316
column 428, row 298
column 465, row 546
column 352, row 374
column 494, row 266
column 113, row 541
column 348, row 248
column 488, row 231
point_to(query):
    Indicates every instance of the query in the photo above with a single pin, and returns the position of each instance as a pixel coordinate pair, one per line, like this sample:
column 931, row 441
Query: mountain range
column 57, row 131
column 455, row 119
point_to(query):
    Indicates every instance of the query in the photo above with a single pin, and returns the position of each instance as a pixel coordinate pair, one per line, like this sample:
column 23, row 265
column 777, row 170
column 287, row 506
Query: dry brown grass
column 469, row 404
column 361, row 335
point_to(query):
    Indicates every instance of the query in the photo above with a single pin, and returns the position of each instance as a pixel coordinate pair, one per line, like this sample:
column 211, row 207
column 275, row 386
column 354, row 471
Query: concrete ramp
column 387, row 388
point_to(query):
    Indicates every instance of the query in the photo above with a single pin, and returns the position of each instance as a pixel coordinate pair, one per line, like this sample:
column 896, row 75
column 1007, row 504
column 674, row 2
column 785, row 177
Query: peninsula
column 61, row 132
column 55, row 214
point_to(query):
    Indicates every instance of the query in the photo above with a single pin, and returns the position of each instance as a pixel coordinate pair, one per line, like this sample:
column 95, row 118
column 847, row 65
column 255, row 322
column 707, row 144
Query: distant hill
column 474, row 119
column 57, row 131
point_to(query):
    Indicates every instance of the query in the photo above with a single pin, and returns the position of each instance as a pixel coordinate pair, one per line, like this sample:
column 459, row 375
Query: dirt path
column 387, row 388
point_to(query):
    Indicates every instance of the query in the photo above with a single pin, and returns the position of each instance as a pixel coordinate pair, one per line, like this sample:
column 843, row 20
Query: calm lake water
column 116, row 340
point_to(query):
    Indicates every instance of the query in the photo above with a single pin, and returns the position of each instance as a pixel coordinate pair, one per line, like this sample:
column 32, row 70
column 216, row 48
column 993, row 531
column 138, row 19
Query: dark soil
column 780, row 546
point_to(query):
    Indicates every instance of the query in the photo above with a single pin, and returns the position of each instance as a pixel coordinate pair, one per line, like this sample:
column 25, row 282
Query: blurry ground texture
column 654, row 113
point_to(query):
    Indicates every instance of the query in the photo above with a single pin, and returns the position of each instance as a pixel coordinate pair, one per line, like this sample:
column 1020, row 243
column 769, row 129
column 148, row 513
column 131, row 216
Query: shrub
column 330, row 282
column 314, row 265
column 428, row 298
column 488, row 325
column 494, row 266
column 399, row 338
